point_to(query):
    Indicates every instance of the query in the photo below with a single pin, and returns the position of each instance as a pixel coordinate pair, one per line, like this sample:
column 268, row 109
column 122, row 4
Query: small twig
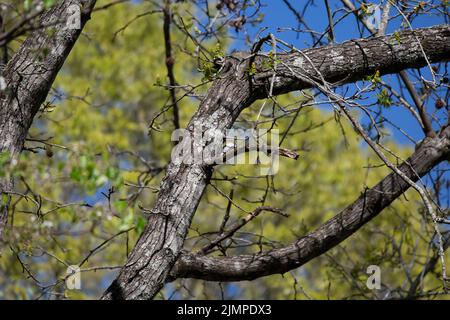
column 238, row 225
column 330, row 22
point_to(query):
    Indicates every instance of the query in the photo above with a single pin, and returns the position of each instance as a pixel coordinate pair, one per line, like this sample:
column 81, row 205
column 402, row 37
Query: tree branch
column 29, row 76
column 170, row 61
column 331, row 233
column 161, row 242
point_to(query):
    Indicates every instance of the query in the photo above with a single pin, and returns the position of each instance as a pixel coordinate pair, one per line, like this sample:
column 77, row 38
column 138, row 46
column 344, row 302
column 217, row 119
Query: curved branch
column 331, row 233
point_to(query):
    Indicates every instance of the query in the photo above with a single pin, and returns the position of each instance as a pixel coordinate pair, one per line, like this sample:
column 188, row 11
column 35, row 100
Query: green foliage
column 375, row 78
column 88, row 176
column 28, row 3
column 271, row 61
column 251, row 70
column 397, row 37
column 218, row 52
column 383, row 98
column 209, row 70
column 4, row 160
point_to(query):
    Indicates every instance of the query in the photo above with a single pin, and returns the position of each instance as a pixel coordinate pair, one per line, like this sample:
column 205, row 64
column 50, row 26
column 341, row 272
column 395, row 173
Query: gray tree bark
column 29, row 76
column 159, row 247
column 371, row 202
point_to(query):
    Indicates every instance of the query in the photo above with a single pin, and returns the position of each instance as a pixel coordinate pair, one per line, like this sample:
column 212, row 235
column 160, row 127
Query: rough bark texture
column 334, row 231
column 29, row 76
column 161, row 242
column 354, row 59
column 181, row 190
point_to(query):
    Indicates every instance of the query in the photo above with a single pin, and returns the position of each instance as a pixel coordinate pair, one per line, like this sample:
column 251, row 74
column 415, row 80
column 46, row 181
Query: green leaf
column 128, row 221
column 141, row 222
column 120, row 205
column 75, row 174
column 48, row 3
column 112, row 173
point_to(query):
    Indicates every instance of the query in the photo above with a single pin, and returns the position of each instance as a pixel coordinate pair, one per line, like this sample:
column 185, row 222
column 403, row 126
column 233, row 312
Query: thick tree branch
column 161, row 242
column 331, row 233
column 355, row 59
column 29, row 76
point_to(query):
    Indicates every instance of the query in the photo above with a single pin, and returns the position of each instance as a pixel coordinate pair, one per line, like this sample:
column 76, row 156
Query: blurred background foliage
column 82, row 200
